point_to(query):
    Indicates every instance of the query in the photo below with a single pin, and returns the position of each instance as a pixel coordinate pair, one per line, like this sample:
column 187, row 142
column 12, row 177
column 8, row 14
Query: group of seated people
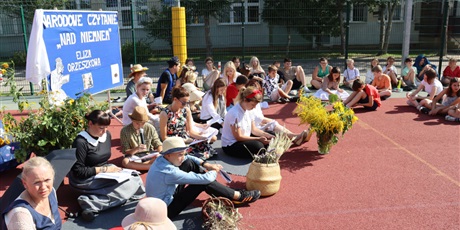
column 189, row 120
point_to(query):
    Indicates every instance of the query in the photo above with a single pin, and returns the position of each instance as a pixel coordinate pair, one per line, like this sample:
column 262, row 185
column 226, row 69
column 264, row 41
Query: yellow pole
column 179, row 36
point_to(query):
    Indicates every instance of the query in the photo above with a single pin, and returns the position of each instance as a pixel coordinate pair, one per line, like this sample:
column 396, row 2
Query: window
column 123, row 7
column 247, row 12
column 358, row 13
column 397, row 15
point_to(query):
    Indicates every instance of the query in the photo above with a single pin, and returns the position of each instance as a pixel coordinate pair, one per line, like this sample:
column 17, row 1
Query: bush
column 54, row 126
column 143, row 52
column 19, row 58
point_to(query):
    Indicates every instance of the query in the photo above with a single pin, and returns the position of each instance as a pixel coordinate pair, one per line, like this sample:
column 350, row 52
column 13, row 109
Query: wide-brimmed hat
column 139, row 114
column 172, row 145
column 195, row 94
column 150, row 213
column 137, row 68
column 174, row 60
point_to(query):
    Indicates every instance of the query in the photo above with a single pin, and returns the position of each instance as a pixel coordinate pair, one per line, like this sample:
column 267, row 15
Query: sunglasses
column 184, row 103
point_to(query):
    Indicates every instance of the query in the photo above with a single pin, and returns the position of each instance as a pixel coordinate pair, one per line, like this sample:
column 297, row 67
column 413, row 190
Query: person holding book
column 178, row 178
column 138, row 140
column 93, row 151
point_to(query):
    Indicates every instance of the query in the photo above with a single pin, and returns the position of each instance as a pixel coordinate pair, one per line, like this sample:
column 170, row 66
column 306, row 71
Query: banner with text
column 75, row 51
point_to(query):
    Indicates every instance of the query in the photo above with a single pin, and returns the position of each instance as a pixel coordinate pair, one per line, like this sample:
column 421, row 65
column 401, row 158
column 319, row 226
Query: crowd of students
column 170, row 132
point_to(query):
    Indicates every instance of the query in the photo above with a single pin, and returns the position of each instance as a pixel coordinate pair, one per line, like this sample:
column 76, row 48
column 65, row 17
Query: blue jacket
column 163, row 178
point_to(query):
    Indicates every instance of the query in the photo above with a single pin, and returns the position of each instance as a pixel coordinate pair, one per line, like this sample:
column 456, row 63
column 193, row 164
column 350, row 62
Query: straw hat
column 173, row 144
column 195, row 94
column 150, row 213
column 139, row 114
column 137, row 68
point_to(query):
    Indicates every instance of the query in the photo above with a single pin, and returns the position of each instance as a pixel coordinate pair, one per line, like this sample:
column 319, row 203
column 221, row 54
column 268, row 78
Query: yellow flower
column 3, row 71
column 5, row 65
column 71, row 101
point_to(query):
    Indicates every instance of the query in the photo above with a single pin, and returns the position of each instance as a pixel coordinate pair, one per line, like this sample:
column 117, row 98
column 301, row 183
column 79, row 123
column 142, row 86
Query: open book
column 208, row 133
column 141, row 157
column 120, row 176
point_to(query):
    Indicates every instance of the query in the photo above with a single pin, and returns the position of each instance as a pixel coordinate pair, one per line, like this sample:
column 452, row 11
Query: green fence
column 271, row 29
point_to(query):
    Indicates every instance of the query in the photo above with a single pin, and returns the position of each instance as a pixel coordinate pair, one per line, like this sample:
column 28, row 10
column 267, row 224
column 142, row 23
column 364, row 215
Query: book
column 141, row 157
column 120, row 176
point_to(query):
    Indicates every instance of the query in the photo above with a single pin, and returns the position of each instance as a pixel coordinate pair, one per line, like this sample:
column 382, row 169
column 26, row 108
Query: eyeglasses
column 184, row 103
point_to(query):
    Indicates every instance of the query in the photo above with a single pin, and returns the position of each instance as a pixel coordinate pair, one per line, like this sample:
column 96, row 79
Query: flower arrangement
column 53, row 126
column 327, row 122
column 220, row 214
column 276, row 148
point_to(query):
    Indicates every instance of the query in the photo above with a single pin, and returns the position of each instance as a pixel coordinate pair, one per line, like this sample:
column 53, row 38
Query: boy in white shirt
column 350, row 74
column 274, row 92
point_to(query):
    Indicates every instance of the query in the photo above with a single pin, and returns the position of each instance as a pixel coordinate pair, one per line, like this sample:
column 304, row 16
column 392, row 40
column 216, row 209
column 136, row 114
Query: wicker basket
column 264, row 177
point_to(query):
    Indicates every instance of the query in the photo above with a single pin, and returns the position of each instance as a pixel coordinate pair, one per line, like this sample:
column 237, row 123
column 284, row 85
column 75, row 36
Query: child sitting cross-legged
column 273, row 90
column 363, row 95
column 450, row 98
column 431, row 85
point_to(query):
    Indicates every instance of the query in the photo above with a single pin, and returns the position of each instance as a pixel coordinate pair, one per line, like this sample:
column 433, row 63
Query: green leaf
column 42, row 142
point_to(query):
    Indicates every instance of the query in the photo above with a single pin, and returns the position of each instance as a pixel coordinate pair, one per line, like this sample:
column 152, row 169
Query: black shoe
column 284, row 100
column 293, row 99
column 247, row 197
column 88, row 215
column 424, row 110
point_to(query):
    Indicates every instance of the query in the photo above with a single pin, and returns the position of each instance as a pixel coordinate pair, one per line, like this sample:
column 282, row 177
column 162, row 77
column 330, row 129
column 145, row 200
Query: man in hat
column 137, row 71
column 171, row 171
column 139, row 141
column 168, row 80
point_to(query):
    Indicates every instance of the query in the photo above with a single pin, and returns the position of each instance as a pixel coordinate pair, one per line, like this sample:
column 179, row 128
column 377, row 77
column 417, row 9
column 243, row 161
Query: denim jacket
column 163, row 178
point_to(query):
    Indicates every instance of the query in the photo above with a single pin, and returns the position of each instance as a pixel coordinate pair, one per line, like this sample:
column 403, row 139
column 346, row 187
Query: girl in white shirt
column 213, row 106
column 238, row 127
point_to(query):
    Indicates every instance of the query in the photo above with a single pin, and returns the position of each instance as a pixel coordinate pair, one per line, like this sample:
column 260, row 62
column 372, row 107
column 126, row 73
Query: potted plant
column 53, row 126
column 220, row 214
column 327, row 119
column 264, row 173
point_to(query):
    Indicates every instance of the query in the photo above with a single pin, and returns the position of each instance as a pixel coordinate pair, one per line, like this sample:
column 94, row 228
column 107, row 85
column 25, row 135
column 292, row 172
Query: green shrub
column 143, row 52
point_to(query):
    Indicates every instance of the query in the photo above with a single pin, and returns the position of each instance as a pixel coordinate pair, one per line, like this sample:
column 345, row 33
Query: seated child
column 430, row 84
column 350, row 74
column 452, row 70
column 330, row 85
column 233, row 90
column 450, row 98
column 408, row 74
column 363, row 95
column 137, row 139
column 382, row 82
column 274, row 92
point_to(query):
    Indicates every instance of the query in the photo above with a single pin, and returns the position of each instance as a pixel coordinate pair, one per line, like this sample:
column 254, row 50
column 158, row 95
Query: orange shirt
column 382, row 82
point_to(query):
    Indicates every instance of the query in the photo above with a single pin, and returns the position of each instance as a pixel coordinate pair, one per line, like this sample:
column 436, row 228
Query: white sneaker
column 306, row 89
column 293, row 92
column 451, row 118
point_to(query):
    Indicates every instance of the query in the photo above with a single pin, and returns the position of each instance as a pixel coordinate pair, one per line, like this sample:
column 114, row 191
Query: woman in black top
column 92, row 153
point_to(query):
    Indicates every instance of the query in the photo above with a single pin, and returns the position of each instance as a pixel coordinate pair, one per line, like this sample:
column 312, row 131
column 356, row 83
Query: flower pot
column 264, row 177
column 325, row 143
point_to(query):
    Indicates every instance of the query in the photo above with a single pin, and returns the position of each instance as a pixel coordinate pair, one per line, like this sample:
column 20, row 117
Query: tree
column 313, row 19
column 159, row 25
column 29, row 7
column 206, row 9
column 385, row 9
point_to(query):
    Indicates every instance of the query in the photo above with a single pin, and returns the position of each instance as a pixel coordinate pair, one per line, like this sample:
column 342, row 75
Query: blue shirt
column 163, row 178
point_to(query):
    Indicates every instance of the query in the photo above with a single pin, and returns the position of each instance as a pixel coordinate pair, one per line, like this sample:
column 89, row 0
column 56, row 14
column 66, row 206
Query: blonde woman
column 138, row 99
column 229, row 75
column 256, row 70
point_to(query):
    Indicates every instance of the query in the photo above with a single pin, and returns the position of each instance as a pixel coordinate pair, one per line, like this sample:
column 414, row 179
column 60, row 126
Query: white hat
column 195, row 94
column 150, row 213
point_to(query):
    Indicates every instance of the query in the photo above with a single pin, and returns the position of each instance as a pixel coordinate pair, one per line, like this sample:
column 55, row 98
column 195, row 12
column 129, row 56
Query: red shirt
column 449, row 73
column 232, row 92
column 371, row 90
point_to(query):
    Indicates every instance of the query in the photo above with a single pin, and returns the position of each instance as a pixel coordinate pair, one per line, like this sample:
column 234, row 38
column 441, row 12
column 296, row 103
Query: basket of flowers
column 328, row 119
column 264, row 173
column 219, row 214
